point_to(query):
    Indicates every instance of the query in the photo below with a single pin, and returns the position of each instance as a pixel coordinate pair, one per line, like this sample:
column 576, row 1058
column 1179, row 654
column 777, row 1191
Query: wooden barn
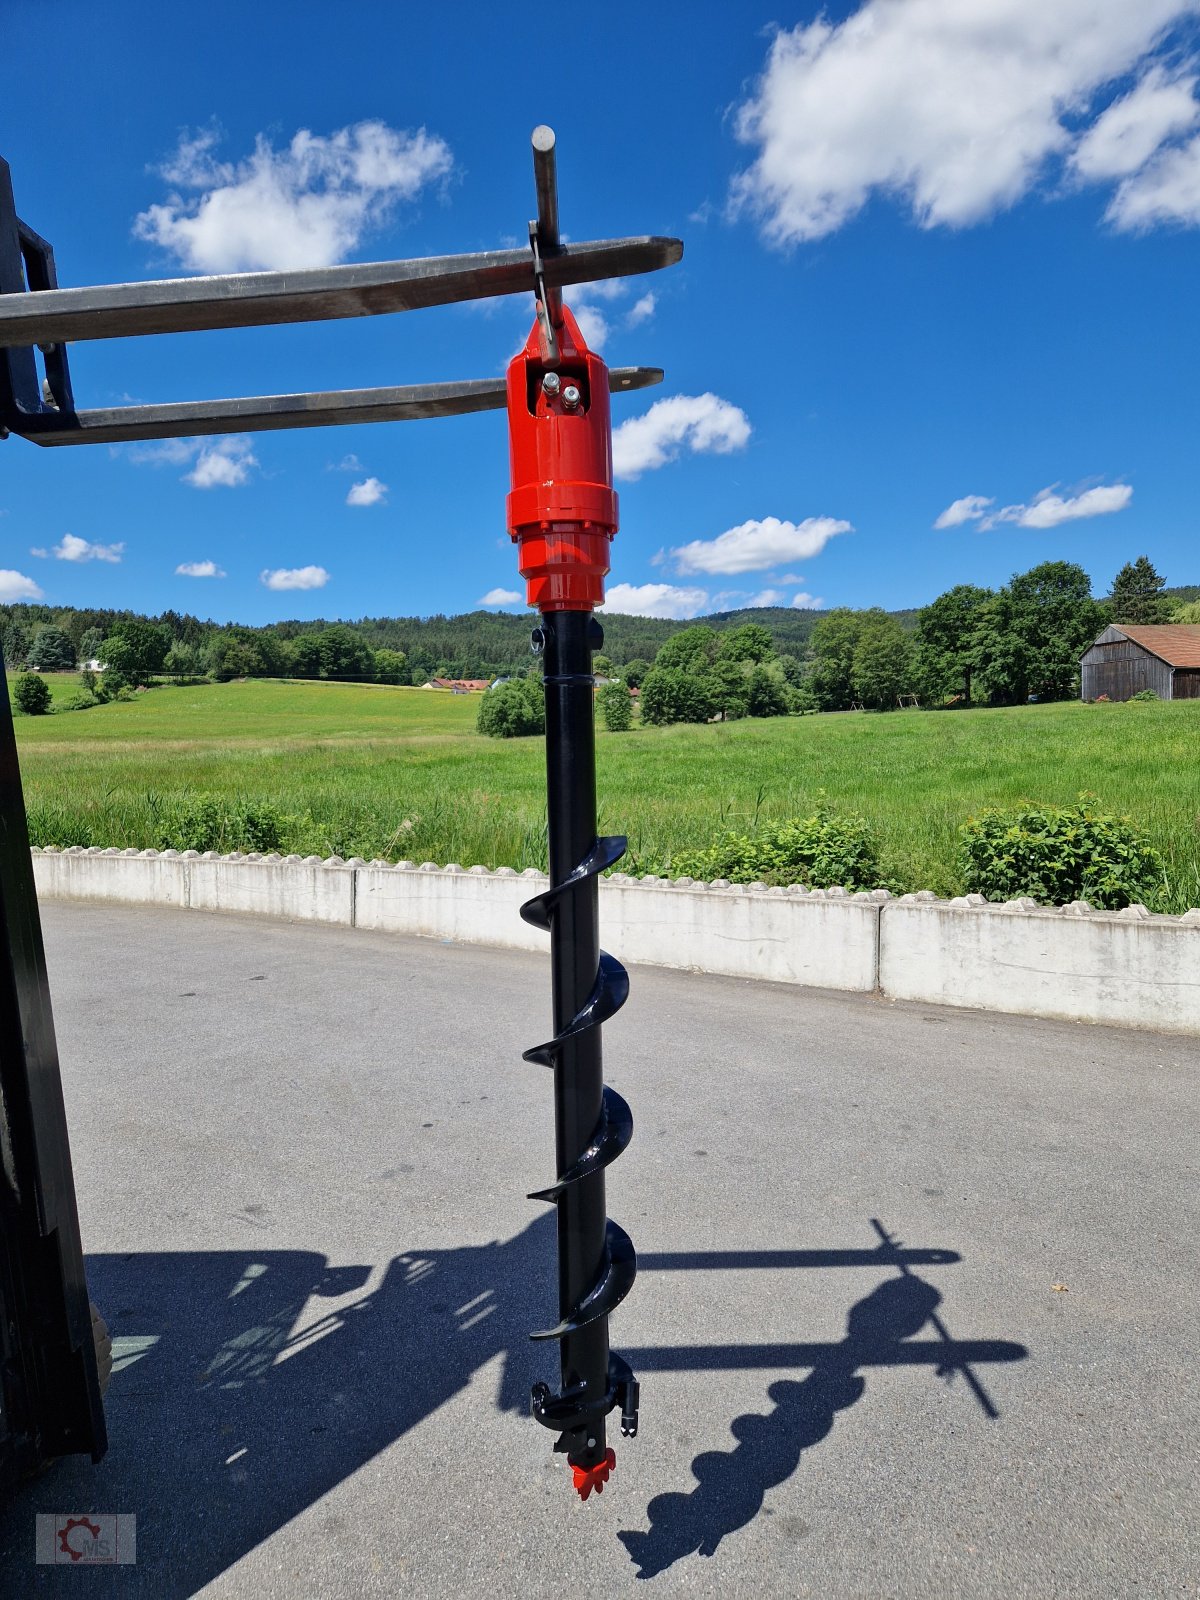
column 1126, row 659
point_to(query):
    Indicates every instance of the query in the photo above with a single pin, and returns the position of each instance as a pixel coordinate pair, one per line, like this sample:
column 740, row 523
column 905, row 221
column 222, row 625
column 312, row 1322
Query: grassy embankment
column 400, row 773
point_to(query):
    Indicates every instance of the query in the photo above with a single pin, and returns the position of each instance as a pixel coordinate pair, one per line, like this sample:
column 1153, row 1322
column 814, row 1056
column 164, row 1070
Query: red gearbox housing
column 562, row 511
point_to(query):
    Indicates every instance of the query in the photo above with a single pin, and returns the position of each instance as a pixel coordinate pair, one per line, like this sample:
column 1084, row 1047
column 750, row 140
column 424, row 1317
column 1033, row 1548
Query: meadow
column 401, row 774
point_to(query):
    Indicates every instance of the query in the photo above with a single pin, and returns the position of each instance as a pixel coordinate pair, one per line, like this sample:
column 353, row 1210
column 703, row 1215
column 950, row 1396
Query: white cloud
column 16, row 586
column 1047, row 509
column 224, row 465
column 807, row 602
column 768, row 597
column 348, row 463
column 72, row 548
column 655, row 600
column 956, row 110
column 499, row 597
column 754, row 545
column 295, row 578
column 199, row 569
column 1166, row 190
column 1126, row 135
column 592, row 323
column 969, row 509
column 368, row 493
column 696, row 422
column 163, row 452
column 641, row 310
column 307, row 205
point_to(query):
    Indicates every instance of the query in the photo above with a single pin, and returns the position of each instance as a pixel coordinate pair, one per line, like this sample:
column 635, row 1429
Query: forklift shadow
column 247, row 1385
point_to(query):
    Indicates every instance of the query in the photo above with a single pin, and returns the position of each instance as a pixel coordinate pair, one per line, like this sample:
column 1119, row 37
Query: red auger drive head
column 562, row 511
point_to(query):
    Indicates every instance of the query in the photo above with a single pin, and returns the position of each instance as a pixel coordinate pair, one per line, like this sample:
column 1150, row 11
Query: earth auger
column 562, row 514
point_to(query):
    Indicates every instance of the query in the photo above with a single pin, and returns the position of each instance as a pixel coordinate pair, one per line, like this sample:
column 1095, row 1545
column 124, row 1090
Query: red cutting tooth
column 589, row 1478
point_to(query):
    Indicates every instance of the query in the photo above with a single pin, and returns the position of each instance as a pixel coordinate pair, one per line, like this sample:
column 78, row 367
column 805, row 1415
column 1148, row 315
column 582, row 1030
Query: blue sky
column 940, row 267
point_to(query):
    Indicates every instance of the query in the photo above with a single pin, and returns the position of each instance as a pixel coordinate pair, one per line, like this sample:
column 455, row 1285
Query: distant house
column 1126, row 659
column 458, row 685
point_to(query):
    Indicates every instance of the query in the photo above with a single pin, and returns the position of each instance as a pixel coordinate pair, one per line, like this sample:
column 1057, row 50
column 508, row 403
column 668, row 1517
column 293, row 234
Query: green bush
column 211, row 822
column 615, row 703
column 112, row 684
column 822, row 851
column 1056, row 854
column 513, row 709
column 31, row 694
column 82, row 700
column 1144, row 694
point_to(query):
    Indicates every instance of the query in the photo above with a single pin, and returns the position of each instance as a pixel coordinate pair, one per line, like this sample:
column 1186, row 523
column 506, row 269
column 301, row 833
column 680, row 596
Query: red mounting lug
column 589, row 1478
column 562, row 512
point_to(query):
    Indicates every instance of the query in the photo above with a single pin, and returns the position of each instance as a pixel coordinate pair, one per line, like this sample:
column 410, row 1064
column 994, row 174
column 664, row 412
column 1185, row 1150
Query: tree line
column 971, row 644
column 478, row 644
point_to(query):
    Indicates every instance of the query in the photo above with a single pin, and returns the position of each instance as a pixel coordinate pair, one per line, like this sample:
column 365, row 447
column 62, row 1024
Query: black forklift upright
column 50, row 1403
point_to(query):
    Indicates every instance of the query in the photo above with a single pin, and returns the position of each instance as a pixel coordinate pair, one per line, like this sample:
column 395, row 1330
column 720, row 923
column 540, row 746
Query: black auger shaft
column 574, row 962
column 596, row 1264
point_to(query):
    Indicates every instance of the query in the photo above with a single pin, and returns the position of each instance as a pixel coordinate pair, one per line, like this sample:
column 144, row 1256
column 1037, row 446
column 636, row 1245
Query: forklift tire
column 103, row 1342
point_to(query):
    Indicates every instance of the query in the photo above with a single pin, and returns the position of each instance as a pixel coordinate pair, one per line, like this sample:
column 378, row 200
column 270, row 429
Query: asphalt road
column 301, row 1156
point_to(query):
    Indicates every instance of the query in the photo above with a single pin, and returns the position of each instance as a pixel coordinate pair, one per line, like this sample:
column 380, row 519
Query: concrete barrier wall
column 1125, row 967
column 1128, row 968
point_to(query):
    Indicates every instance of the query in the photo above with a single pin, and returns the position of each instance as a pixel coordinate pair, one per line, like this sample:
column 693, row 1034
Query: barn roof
column 1176, row 643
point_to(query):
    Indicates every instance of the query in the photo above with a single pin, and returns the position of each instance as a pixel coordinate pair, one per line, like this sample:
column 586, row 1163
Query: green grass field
column 401, row 774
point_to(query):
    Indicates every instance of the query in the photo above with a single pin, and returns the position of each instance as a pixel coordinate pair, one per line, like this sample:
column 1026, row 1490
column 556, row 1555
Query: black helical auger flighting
column 593, row 1124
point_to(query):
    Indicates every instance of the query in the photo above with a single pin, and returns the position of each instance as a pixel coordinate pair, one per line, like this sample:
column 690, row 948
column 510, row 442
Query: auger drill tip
column 589, row 1478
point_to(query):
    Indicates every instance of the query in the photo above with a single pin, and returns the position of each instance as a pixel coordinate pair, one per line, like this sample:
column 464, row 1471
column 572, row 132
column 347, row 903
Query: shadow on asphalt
column 248, row 1384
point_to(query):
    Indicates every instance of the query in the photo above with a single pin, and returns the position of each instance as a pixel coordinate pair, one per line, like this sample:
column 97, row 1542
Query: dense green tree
column 16, row 644
column 345, row 655
column 1029, row 636
column 749, row 642
column 882, row 666
column 52, row 651
column 767, row 693
column 137, row 649
column 1187, row 613
column 31, row 694
column 615, row 704
column 602, row 666
column 945, row 640
column 728, row 684
column 633, row 673
column 182, row 661
column 391, row 666
column 307, row 658
column 671, row 694
column 834, row 641
column 689, row 651
column 1137, row 594
column 90, row 641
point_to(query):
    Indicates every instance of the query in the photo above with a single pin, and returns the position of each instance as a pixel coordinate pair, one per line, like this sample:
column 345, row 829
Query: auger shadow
column 880, row 1331
column 249, row 1384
